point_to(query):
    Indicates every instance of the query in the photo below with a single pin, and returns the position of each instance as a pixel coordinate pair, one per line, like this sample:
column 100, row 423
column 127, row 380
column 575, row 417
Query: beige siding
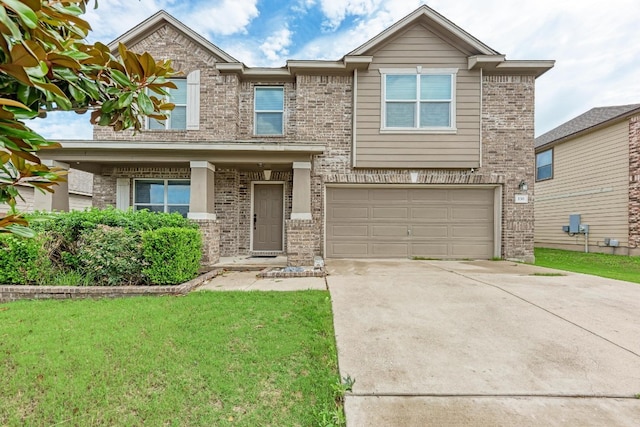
column 591, row 178
column 418, row 46
column 77, row 202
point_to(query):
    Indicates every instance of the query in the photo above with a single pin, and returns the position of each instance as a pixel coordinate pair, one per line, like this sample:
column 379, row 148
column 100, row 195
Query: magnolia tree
column 46, row 65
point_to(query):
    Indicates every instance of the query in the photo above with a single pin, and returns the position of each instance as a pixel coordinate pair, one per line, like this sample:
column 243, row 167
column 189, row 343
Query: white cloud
column 222, row 18
column 114, row 17
column 275, row 46
column 63, row 125
column 337, row 10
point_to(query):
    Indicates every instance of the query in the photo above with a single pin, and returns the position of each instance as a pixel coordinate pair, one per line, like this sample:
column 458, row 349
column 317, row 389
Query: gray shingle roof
column 591, row 118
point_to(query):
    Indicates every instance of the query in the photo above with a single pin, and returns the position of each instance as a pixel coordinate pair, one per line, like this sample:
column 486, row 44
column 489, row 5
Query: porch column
column 301, row 203
column 57, row 201
column 201, row 201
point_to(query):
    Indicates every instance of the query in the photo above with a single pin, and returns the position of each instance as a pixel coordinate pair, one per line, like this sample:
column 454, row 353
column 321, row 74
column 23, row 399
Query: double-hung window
column 178, row 116
column 418, row 99
column 162, row 195
column 544, row 165
column 269, row 110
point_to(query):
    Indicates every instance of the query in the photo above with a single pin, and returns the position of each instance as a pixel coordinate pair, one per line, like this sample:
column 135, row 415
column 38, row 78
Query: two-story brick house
column 414, row 144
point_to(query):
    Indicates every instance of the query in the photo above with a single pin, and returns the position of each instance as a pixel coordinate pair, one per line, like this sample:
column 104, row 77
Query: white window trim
column 418, row 70
column 255, row 112
column 165, row 203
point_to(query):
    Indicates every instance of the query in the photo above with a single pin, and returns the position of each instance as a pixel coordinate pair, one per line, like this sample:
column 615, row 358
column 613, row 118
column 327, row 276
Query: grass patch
column 612, row 266
column 209, row 358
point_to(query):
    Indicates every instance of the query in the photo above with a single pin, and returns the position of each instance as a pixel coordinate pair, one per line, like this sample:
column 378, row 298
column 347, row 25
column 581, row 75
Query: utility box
column 574, row 223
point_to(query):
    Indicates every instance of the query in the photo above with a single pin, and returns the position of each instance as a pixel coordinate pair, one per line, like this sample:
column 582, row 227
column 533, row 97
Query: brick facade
column 210, row 230
column 634, row 184
column 301, row 238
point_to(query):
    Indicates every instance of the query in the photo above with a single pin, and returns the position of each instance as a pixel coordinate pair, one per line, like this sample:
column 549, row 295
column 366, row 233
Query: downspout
column 481, row 98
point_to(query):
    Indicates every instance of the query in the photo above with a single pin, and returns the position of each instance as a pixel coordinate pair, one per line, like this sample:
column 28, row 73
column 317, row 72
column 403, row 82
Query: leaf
column 125, row 100
column 109, row 106
column 145, row 104
column 148, row 64
column 21, row 57
column 20, row 230
column 11, row 26
column 17, row 72
column 11, row 102
column 63, row 61
column 26, row 14
column 122, row 79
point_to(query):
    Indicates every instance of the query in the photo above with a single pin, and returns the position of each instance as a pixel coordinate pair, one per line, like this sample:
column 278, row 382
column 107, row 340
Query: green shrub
column 172, row 255
column 22, row 260
column 112, row 255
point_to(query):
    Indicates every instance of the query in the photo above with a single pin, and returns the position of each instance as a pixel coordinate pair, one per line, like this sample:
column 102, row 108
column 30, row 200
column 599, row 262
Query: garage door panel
column 445, row 223
column 349, row 231
column 431, row 214
column 470, row 250
column 471, row 231
column 384, row 250
column 429, row 231
column 430, row 250
column 471, row 213
column 349, row 249
column 430, row 195
column 389, row 213
column 382, row 230
column 349, row 213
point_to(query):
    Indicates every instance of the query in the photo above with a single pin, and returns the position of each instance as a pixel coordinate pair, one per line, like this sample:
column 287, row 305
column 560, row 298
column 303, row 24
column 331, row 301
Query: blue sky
column 595, row 43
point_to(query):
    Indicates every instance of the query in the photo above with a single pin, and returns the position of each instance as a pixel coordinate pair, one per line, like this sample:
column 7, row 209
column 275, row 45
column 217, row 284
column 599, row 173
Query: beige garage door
column 443, row 223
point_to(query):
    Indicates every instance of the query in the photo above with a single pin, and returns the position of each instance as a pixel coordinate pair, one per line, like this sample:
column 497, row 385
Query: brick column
column 634, row 185
column 210, row 230
column 58, row 201
column 300, row 242
column 201, row 201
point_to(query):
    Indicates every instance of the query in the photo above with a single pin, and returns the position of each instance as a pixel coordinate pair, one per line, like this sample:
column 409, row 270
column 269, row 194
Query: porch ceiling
column 90, row 155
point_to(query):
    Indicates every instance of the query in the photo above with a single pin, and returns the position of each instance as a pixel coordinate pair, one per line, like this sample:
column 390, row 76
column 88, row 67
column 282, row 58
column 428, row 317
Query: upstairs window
column 162, row 195
column 269, row 110
column 544, row 165
column 178, row 116
column 418, row 99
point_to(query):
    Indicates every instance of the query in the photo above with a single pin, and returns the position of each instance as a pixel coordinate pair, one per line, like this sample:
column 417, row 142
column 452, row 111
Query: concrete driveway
column 485, row 343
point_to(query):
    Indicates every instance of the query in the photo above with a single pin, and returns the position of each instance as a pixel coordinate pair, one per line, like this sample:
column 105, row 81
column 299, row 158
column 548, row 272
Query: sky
column 594, row 43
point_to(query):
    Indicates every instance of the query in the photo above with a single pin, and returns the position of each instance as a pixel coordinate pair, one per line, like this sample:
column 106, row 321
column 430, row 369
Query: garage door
column 441, row 223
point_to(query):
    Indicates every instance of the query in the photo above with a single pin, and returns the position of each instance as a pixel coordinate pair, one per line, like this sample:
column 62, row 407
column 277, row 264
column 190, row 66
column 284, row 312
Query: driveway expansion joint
column 490, row 396
column 537, row 306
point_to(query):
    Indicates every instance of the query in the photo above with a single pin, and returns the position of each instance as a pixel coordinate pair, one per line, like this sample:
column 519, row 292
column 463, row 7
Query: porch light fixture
column 523, row 186
column 267, row 174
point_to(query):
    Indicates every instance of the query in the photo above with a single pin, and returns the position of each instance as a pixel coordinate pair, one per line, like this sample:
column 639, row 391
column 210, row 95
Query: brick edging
column 18, row 292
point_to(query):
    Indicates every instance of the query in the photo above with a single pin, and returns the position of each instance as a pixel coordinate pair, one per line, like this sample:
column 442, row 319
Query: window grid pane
column 401, row 114
column 401, row 87
column 435, row 87
column 178, row 118
column 269, row 99
column 435, row 114
column 269, row 123
column 162, row 195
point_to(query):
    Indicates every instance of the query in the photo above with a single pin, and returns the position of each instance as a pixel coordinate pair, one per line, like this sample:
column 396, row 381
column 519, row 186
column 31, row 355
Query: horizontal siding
column 418, row 46
column 77, row 202
column 590, row 178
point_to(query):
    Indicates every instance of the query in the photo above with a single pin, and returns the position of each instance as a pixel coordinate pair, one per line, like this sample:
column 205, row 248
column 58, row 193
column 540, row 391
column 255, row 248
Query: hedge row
column 104, row 248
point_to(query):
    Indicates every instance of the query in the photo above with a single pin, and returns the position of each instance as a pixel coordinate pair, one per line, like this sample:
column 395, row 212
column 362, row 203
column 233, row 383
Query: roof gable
column 436, row 23
column 596, row 117
column 151, row 24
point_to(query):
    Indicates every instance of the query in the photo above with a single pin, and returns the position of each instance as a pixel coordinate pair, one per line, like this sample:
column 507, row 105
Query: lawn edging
column 17, row 292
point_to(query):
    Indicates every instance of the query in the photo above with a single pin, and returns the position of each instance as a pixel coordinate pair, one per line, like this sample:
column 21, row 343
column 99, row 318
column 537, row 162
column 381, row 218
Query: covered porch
column 248, row 198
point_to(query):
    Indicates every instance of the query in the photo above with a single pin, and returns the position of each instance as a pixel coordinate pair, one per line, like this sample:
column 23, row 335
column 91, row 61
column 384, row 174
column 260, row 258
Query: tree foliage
column 46, row 65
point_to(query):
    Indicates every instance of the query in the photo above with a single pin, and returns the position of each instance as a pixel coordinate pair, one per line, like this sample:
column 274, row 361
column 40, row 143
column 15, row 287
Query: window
column 269, row 110
column 178, row 116
column 162, row 195
column 544, row 165
column 418, row 99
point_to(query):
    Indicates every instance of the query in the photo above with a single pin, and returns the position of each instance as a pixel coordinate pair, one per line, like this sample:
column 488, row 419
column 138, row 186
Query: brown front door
column 267, row 217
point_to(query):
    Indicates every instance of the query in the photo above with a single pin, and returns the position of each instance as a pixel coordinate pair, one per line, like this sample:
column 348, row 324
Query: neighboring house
column 590, row 166
column 80, row 188
column 413, row 144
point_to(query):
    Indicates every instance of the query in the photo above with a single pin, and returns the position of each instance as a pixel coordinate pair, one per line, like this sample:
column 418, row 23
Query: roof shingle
column 587, row 120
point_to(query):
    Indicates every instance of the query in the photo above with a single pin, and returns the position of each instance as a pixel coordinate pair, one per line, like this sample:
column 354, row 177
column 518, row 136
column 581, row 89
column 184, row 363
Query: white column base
column 301, row 216
column 201, row 215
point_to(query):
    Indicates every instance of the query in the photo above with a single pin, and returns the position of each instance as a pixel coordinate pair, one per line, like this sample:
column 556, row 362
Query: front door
column 267, row 217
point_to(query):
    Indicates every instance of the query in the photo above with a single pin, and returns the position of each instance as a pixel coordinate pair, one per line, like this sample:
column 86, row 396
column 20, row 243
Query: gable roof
column 436, row 22
column 159, row 19
column 596, row 117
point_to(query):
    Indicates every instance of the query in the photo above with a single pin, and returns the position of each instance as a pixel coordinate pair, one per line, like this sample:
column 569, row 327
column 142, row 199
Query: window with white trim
column 178, row 116
column 544, row 165
column 418, row 99
column 269, row 110
column 162, row 195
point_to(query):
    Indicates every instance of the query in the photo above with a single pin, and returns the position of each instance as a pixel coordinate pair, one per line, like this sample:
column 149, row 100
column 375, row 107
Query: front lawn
column 611, row 266
column 250, row 359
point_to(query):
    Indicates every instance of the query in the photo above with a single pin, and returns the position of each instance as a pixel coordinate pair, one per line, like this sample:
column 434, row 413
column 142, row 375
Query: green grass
column 247, row 359
column 604, row 265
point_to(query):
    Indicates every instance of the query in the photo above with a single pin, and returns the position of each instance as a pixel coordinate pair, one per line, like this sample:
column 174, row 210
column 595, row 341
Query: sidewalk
column 248, row 281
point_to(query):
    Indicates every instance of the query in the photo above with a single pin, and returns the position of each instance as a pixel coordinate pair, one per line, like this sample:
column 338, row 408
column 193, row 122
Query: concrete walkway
column 485, row 343
column 249, row 281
